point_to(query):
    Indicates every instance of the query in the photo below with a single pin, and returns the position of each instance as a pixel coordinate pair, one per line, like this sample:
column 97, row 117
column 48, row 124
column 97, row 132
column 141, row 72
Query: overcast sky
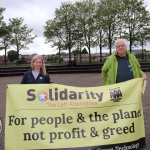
column 35, row 14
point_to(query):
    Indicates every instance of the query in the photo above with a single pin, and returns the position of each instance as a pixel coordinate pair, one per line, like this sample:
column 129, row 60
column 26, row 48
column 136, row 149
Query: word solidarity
column 55, row 95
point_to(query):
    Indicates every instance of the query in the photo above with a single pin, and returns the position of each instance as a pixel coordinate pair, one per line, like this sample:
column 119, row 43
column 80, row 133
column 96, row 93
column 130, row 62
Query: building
column 85, row 57
column 1, row 59
column 136, row 51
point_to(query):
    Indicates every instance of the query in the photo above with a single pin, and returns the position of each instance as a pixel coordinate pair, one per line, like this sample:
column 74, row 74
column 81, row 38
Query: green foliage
column 3, row 31
column 5, row 36
column 91, row 24
column 85, row 13
column 84, row 51
column 85, row 23
column 20, row 34
column 134, row 16
column 23, row 58
column 148, row 55
column 54, row 58
column 61, row 30
column 75, row 52
column 1, row 48
column 108, row 22
column 140, row 55
column 12, row 55
column 1, row 13
column 93, row 57
column 62, row 54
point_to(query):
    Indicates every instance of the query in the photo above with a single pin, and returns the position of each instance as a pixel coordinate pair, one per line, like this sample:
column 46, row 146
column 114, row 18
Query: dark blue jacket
column 28, row 78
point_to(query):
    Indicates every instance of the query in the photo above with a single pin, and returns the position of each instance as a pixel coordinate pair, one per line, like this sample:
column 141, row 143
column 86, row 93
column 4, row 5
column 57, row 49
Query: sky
column 35, row 14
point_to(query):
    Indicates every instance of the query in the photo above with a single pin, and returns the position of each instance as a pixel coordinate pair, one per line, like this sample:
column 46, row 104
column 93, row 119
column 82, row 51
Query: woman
column 37, row 74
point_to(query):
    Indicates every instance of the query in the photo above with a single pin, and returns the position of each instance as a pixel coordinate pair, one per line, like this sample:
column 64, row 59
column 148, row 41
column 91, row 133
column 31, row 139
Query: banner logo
column 115, row 94
column 43, row 96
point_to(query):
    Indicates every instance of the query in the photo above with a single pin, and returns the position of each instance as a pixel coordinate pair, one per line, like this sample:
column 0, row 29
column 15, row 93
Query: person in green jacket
column 121, row 65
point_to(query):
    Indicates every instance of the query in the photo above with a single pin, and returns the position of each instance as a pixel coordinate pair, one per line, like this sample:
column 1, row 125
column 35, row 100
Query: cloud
column 35, row 14
column 40, row 47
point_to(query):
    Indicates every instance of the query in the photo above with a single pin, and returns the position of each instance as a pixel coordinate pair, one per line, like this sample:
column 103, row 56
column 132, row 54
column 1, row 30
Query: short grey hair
column 122, row 40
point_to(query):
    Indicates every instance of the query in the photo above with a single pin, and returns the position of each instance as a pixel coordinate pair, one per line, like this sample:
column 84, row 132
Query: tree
column 23, row 59
column 142, row 55
column 62, row 54
column 5, row 37
column 143, row 37
column 84, row 51
column 54, row 58
column 2, row 31
column 75, row 52
column 1, row 13
column 52, row 33
column 12, row 55
column 93, row 57
column 85, row 12
column 100, row 26
column 61, row 30
column 92, row 24
column 134, row 17
column 4, row 34
column 109, row 20
column 20, row 35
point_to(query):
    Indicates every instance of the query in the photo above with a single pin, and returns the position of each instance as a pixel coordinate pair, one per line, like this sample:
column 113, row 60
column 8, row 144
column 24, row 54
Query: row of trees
column 89, row 23
column 14, row 34
column 84, row 24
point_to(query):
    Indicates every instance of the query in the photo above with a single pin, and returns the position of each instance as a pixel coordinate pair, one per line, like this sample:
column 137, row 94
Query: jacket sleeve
column 24, row 79
column 105, row 69
column 47, row 79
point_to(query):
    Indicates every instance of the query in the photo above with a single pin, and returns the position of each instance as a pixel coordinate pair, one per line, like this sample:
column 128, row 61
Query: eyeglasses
column 118, row 46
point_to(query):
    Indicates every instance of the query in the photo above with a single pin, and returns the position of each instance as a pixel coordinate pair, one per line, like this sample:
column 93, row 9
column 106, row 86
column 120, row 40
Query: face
column 121, row 48
column 37, row 64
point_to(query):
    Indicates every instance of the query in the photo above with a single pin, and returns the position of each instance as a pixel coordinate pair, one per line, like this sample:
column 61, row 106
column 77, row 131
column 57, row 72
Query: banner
column 54, row 116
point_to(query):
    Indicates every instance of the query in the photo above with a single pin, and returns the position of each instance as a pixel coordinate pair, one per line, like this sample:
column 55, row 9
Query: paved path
column 80, row 80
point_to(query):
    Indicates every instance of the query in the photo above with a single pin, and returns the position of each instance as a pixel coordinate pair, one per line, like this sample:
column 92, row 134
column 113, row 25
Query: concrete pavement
column 80, row 80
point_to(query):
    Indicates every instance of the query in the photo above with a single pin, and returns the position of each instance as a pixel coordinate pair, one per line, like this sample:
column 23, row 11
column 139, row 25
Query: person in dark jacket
column 37, row 74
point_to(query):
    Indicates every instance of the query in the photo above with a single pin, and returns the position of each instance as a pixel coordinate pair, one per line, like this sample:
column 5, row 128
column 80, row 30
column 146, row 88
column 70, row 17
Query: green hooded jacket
column 110, row 67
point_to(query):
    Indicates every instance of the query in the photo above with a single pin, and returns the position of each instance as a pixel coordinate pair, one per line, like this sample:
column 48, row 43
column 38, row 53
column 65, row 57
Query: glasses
column 120, row 46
